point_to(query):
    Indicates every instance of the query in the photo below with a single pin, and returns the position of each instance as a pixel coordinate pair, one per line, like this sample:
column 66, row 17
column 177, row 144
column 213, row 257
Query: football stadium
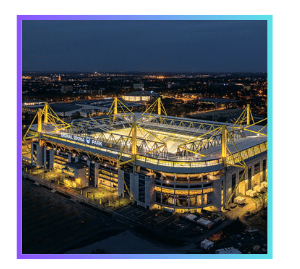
column 157, row 161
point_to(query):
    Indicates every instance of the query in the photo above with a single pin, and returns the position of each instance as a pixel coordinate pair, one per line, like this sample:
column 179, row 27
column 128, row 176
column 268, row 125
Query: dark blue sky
column 179, row 46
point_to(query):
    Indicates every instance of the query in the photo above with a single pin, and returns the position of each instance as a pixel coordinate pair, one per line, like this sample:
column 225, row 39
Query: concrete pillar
column 236, row 182
column 48, row 154
column 246, row 180
column 132, row 185
column 251, row 176
column 31, row 156
column 261, row 171
column 266, row 171
column 39, row 155
column 121, row 186
column 152, row 193
column 45, row 157
column 148, row 192
column 174, row 197
column 96, row 174
column 136, row 187
column 250, row 173
column 216, row 195
column 51, row 158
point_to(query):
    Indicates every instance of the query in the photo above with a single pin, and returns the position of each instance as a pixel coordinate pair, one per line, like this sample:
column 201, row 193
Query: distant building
column 192, row 95
column 67, row 88
column 138, row 86
column 140, row 96
column 84, row 91
column 32, row 102
column 86, row 79
column 173, row 84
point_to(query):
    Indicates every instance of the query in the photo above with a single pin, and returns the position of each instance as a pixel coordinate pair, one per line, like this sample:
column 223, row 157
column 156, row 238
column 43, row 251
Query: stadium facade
column 159, row 161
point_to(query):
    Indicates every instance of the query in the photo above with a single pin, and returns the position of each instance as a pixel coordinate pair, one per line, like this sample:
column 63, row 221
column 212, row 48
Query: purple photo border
column 20, row 18
column 19, row 137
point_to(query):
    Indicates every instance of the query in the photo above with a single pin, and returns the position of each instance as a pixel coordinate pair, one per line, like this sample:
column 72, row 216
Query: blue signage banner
column 86, row 140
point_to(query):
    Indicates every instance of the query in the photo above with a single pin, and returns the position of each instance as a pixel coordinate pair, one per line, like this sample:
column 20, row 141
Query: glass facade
column 182, row 197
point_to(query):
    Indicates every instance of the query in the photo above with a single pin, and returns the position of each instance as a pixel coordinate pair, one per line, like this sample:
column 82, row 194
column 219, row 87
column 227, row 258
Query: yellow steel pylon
column 246, row 116
column 134, row 134
column 224, row 143
column 115, row 103
column 160, row 107
column 50, row 117
column 241, row 163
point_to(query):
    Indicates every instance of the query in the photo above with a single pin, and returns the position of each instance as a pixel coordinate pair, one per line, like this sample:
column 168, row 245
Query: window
column 256, row 168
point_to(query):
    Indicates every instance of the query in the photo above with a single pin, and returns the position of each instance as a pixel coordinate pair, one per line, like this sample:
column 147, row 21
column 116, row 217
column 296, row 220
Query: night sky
column 146, row 46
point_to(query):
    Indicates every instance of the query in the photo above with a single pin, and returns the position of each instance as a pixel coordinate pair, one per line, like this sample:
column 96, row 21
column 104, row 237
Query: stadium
column 158, row 161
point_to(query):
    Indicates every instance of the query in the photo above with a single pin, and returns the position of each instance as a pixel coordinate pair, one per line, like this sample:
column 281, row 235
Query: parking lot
column 163, row 222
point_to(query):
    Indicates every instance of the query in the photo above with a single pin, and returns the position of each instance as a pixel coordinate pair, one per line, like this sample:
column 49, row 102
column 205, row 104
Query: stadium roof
column 64, row 107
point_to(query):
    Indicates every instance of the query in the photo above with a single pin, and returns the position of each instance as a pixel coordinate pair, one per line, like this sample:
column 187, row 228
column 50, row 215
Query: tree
column 262, row 200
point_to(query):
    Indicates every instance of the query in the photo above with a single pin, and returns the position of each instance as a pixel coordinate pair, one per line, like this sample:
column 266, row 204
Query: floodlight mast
column 46, row 113
column 133, row 140
column 224, row 143
column 248, row 114
column 159, row 106
column 39, row 126
column 115, row 103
